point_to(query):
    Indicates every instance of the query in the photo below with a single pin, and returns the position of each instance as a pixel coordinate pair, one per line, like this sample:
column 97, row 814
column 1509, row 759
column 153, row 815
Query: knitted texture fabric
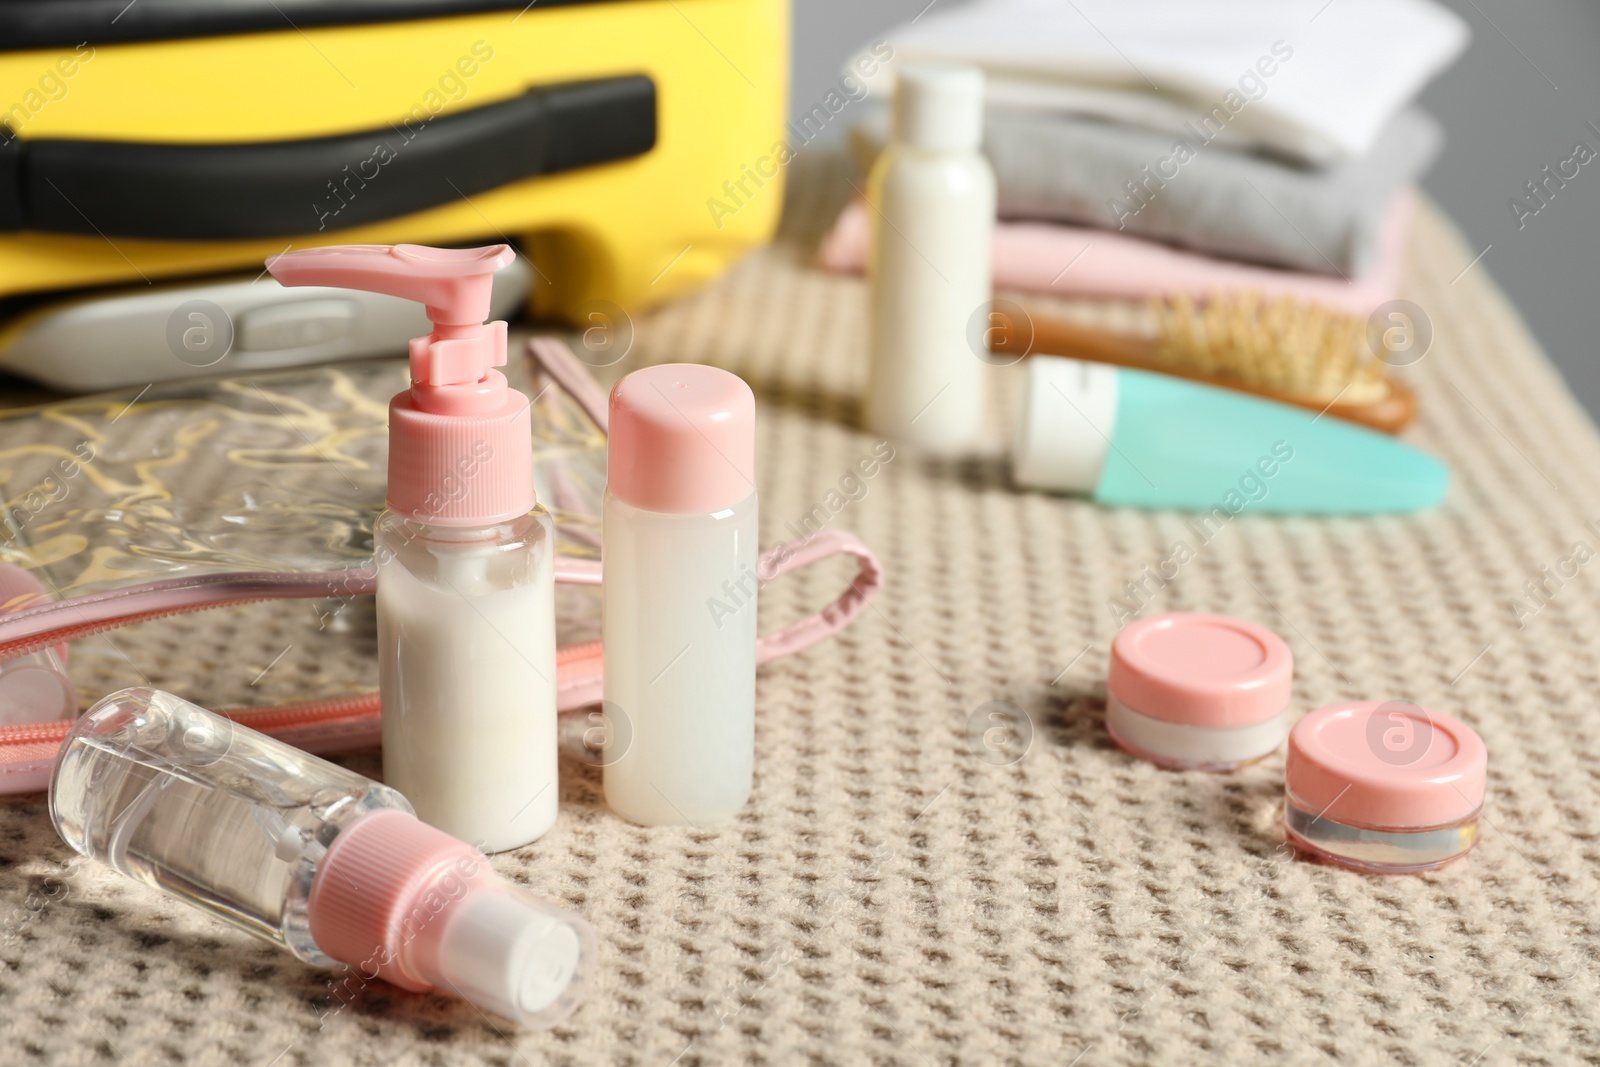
column 926, row 876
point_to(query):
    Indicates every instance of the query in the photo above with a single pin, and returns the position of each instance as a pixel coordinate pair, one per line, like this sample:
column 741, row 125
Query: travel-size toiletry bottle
column 466, row 580
column 309, row 856
column 933, row 200
column 679, row 623
column 1136, row 438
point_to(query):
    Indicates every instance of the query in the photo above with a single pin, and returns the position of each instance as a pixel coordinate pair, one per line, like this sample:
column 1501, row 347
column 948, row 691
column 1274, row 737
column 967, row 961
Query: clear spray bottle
column 309, row 856
column 466, row 578
column 679, row 623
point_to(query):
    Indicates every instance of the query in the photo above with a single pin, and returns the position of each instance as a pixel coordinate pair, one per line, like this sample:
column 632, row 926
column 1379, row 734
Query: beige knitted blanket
column 899, row 893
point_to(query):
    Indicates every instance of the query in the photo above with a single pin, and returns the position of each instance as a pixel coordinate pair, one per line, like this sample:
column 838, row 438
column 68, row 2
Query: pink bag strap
column 47, row 622
column 554, row 360
column 581, row 670
column 791, row 556
column 344, row 724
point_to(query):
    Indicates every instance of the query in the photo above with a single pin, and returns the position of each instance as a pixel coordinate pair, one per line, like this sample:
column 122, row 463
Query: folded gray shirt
column 1236, row 205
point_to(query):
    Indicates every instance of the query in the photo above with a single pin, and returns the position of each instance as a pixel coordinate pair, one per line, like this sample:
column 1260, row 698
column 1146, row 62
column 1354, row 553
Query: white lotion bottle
column 933, row 207
column 466, row 586
column 679, row 623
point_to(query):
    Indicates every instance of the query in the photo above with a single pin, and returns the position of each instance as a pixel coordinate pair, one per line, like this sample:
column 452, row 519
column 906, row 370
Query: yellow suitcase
column 618, row 143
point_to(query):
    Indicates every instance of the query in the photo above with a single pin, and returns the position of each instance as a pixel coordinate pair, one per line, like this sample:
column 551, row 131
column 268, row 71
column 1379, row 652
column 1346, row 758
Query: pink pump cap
column 683, row 439
column 1201, row 670
column 460, row 439
column 1386, row 765
column 399, row 900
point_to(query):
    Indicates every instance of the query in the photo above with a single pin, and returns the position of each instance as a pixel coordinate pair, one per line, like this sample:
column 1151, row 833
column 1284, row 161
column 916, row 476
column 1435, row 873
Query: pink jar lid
column 1201, row 670
column 1386, row 764
column 682, row 439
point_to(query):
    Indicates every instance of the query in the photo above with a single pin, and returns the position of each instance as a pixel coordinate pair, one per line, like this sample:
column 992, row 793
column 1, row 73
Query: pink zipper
column 50, row 622
column 347, row 723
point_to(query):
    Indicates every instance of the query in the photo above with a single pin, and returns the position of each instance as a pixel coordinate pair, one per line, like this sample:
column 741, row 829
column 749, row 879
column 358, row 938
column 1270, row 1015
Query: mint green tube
column 1181, row 445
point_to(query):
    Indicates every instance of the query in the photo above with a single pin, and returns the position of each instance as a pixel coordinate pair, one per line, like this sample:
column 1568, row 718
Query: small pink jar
column 1198, row 692
column 1385, row 787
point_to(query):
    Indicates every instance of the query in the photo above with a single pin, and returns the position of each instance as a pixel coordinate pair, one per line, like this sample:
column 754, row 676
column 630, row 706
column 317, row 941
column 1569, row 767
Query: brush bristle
column 1282, row 344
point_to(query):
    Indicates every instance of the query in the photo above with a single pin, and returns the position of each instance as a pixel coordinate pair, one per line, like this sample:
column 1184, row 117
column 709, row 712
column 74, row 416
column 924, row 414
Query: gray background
column 1518, row 99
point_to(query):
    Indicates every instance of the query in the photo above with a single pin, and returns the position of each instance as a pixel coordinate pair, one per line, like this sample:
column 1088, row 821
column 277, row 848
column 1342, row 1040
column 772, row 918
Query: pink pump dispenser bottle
column 466, row 581
column 309, row 856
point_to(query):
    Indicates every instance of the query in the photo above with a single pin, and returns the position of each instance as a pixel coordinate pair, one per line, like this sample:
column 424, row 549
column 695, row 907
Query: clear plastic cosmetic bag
column 183, row 497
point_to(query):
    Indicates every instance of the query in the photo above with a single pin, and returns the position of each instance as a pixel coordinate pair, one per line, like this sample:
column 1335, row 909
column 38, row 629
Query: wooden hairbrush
column 1280, row 348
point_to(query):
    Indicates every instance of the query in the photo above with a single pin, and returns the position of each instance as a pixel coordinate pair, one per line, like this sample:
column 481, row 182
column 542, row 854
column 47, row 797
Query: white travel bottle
column 933, row 200
column 466, row 580
column 679, row 624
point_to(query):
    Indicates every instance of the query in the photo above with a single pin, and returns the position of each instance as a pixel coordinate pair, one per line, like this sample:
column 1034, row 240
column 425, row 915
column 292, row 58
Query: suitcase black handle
column 226, row 192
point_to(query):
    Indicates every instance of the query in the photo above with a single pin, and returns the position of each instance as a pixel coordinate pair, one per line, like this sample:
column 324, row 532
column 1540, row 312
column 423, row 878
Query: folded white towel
column 1313, row 80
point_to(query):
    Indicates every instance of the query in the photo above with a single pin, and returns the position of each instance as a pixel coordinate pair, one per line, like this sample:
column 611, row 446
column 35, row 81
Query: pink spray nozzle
column 399, row 900
column 460, row 440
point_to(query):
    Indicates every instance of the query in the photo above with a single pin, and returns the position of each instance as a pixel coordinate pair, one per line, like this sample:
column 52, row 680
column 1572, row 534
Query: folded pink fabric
column 1069, row 261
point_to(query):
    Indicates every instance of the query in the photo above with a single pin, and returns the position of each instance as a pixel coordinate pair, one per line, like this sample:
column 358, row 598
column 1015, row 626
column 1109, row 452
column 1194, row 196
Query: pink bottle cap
column 683, row 439
column 1386, row 765
column 399, row 900
column 460, row 439
column 1201, row 670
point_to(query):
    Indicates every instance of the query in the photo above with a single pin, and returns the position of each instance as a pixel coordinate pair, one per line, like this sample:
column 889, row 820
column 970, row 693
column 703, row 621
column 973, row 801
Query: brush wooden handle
column 1045, row 334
